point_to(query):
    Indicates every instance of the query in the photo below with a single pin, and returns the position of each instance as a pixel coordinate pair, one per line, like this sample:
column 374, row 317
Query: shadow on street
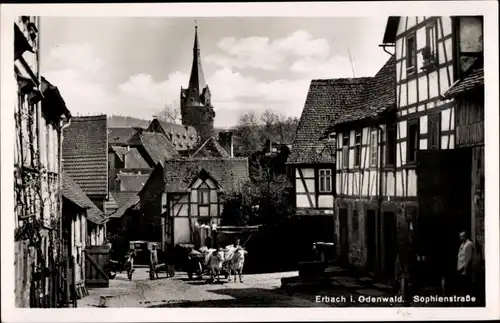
column 242, row 297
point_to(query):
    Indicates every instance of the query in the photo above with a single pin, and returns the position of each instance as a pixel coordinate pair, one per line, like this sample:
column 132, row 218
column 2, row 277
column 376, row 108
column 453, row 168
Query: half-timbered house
column 85, row 159
column 193, row 192
column 40, row 115
column 421, row 142
column 312, row 159
column 366, row 239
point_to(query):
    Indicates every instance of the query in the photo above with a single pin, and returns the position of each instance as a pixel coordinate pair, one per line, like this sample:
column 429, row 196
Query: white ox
column 237, row 262
column 215, row 261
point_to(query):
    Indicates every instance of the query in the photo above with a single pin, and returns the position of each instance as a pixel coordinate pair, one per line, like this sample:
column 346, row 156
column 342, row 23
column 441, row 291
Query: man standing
column 153, row 261
column 464, row 261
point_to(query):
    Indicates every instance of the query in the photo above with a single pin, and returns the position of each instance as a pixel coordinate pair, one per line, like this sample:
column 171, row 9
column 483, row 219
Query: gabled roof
column 74, row 193
column 326, row 101
column 229, row 173
column 85, row 153
column 130, row 203
column 378, row 96
column 391, row 29
column 169, row 127
column 132, row 182
column 471, row 81
column 122, row 198
column 211, row 148
column 121, row 135
column 131, row 156
column 157, row 146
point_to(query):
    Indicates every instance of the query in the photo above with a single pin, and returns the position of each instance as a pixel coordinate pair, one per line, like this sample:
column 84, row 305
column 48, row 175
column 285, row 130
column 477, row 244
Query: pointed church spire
column 197, row 79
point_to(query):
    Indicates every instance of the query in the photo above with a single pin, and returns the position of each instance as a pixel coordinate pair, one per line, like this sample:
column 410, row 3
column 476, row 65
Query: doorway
column 343, row 237
column 389, row 243
column 371, row 241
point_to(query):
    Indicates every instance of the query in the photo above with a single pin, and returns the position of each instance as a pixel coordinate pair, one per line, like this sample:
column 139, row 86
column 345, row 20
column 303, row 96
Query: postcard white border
column 439, row 8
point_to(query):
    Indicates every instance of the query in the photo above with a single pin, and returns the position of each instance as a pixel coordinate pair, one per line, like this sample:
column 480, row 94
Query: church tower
column 196, row 106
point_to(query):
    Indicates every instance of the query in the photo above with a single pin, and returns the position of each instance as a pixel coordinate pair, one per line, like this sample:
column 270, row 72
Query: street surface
column 259, row 290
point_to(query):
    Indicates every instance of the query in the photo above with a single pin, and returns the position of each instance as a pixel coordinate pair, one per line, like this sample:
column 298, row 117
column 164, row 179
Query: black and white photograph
column 175, row 156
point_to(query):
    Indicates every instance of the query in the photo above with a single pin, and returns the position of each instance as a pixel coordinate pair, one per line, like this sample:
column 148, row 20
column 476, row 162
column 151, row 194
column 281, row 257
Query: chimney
column 226, row 141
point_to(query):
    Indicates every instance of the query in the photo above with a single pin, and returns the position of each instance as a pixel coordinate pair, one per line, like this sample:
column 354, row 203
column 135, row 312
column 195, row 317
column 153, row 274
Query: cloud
column 233, row 93
column 81, row 77
column 77, row 56
column 333, row 67
column 262, row 53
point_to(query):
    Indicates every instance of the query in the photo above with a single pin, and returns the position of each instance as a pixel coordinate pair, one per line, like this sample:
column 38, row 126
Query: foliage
column 265, row 199
column 171, row 113
column 255, row 129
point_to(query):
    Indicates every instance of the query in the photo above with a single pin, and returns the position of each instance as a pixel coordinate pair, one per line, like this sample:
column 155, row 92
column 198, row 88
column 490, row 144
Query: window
column 325, row 180
column 373, row 148
column 412, row 138
column 390, row 152
column 345, row 150
column 431, row 39
column 434, row 132
column 411, row 55
column 203, row 195
column 357, row 148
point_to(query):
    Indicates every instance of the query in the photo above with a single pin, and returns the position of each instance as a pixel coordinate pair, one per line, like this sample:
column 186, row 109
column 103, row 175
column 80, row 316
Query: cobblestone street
column 260, row 290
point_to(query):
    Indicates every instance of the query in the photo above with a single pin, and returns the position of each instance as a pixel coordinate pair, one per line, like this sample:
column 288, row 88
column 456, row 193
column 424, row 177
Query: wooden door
column 371, row 240
column 343, row 237
column 96, row 258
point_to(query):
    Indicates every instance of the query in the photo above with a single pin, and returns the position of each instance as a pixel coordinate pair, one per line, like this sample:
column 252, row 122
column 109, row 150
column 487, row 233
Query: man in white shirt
column 464, row 262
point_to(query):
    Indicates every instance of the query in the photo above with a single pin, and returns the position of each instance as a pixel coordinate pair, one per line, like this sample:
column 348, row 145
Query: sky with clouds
column 134, row 66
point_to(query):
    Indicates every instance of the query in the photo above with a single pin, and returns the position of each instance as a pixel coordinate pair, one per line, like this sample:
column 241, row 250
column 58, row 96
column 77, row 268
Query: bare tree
column 171, row 113
column 255, row 130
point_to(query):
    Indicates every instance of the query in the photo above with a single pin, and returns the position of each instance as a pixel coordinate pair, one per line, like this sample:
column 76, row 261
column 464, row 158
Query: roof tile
column 377, row 96
column 470, row 82
column 157, row 146
column 211, row 148
column 230, row 173
column 74, row 193
column 325, row 101
column 85, row 153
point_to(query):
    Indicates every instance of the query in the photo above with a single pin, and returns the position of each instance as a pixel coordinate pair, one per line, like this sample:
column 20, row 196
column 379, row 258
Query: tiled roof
column 378, row 96
column 470, row 82
column 325, row 102
column 74, row 193
column 85, row 153
column 131, row 156
column 175, row 127
column 229, row 173
column 121, row 136
column 211, row 148
column 122, row 198
column 182, row 137
column 125, row 207
column 158, row 146
column 132, row 182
